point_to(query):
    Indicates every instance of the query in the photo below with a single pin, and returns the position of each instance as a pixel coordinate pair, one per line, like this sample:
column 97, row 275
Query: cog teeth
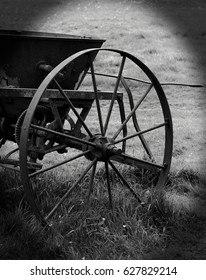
column 18, row 126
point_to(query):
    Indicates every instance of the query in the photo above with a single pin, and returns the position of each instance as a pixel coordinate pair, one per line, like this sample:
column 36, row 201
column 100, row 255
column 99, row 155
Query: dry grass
column 90, row 231
column 174, row 53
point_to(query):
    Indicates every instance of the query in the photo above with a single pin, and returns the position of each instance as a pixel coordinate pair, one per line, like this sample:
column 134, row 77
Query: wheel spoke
column 114, row 94
column 140, row 133
column 108, row 185
column 91, row 181
column 132, row 161
column 46, row 130
column 132, row 112
column 67, row 136
column 58, row 164
column 122, row 117
column 73, row 108
column 125, row 182
column 70, row 190
column 81, row 79
column 96, row 96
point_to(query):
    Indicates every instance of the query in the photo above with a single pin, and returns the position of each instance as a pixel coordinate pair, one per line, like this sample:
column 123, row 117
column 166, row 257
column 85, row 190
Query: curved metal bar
column 123, row 158
column 10, row 153
column 132, row 112
column 134, row 118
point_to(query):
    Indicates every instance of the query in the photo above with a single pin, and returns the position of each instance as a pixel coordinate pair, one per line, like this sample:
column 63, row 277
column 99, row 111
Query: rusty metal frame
column 92, row 143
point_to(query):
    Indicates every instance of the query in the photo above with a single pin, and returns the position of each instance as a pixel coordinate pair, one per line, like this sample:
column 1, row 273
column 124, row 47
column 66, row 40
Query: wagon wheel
column 121, row 129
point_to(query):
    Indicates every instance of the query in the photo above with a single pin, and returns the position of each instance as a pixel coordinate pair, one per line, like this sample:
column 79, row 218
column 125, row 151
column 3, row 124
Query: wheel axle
column 104, row 149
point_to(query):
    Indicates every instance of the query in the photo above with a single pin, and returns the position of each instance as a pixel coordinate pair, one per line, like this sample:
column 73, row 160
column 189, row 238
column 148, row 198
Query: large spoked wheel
column 116, row 123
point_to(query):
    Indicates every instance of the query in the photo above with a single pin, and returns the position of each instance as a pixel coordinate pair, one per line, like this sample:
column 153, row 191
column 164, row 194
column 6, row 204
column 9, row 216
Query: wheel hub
column 104, row 149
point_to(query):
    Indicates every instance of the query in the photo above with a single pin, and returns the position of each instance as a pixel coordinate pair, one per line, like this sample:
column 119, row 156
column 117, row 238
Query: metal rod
column 55, row 148
column 132, row 112
column 140, row 132
column 70, row 190
column 91, row 181
column 10, row 153
column 148, row 82
column 125, row 182
column 108, row 185
column 7, row 166
column 63, row 135
column 96, row 97
column 58, row 164
column 73, row 109
column 127, row 159
column 56, row 114
column 114, row 94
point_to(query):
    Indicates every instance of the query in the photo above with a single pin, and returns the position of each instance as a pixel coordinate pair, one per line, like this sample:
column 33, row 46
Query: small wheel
column 116, row 122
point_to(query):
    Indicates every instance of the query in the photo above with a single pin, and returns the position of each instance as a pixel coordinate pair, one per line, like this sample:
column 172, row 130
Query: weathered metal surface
column 16, row 100
column 25, row 59
column 21, row 52
column 96, row 145
column 35, row 105
column 55, row 94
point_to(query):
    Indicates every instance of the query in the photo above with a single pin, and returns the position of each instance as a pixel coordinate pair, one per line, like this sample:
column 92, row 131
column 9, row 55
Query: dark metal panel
column 22, row 51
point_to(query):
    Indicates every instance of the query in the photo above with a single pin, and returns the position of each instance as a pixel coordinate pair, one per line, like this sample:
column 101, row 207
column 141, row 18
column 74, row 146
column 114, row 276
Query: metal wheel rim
column 35, row 101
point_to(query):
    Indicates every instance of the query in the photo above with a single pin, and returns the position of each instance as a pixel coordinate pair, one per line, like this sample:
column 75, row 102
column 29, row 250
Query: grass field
column 169, row 37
